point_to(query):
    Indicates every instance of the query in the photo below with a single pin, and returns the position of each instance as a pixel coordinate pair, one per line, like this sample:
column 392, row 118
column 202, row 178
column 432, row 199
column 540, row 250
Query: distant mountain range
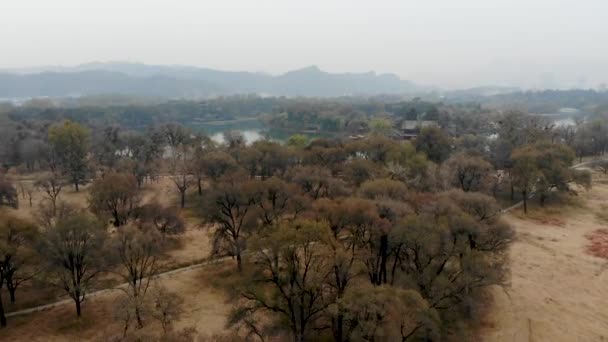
column 191, row 82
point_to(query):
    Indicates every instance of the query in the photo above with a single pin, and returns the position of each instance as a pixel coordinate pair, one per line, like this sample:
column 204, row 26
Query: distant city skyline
column 468, row 43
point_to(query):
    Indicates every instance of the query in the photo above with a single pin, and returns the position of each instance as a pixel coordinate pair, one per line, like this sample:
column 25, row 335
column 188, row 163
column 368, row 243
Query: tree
column 138, row 252
column 285, row 281
column 246, row 157
column 201, row 145
column 51, row 185
column 525, row 172
column 159, row 304
column 543, row 167
column 107, row 147
column 181, row 166
column 17, row 239
column 386, row 313
column 380, row 126
column 361, row 170
column 433, row 142
column 298, row 141
column 480, row 206
column 47, row 217
column 164, row 219
column 116, row 195
column 234, row 139
column 74, row 250
column 276, row 200
column 167, row 308
column 445, row 254
column 274, row 158
column 70, row 143
column 601, row 165
column 469, row 173
column 383, row 189
column 316, row 181
column 230, row 205
column 217, row 164
column 142, row 154
column 8, row 194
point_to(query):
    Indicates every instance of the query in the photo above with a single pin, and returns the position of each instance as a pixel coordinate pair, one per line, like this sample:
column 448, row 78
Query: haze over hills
column 191, row 82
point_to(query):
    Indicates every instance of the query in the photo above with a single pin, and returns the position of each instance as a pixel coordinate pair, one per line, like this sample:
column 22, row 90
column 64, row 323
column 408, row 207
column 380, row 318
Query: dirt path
column 558, row 292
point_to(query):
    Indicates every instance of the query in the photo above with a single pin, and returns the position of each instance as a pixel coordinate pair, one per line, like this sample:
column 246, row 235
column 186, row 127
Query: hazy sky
column 451, row 43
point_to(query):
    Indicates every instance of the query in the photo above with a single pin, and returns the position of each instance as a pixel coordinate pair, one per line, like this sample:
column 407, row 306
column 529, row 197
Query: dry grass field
column 558, row 289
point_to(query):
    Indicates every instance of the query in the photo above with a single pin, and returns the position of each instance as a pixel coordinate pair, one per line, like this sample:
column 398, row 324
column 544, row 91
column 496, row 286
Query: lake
column 252, row 129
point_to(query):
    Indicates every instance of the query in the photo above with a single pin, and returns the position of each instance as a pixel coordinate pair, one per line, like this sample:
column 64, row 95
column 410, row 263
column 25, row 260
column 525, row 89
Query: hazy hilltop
column 184, row 81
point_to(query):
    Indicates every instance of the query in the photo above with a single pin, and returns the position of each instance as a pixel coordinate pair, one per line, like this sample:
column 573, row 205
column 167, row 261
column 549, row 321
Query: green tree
column 70, row 142
column 380, row 126
column 298, row 141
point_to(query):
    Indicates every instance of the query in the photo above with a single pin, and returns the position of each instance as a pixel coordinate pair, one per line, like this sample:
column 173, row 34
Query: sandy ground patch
column 558, row 291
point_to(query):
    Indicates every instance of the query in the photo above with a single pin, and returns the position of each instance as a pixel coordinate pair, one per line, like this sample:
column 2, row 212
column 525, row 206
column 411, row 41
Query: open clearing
column 558, row 292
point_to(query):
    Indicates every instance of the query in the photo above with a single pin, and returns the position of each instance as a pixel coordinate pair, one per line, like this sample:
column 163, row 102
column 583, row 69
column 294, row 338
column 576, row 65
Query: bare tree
column 230, row 205
column 167, row 307
column 165, row 219
column 74, row 250
column 8, row 194
column 51, row 184
column 138, row 252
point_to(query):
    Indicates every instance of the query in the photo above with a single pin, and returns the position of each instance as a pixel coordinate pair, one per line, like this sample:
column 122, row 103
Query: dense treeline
column 548, row 101
column 333, row 239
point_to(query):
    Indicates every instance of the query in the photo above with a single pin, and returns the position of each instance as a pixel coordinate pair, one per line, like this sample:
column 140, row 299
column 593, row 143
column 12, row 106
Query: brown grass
column 205, row 308
column 557, row 289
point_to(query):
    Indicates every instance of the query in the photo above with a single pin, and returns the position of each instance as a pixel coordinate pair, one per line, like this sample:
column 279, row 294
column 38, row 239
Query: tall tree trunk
column 339, row 328
column 542, row 198
column 11, row 290
column 525, row 195
column 116, row 219
column 76, row 186
column 77, row 301
column 183, row 200
column 140, row 322
column 512, row 192
column 239, row 261
column 2, row 315
column 200, row 187
column 383, row 259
